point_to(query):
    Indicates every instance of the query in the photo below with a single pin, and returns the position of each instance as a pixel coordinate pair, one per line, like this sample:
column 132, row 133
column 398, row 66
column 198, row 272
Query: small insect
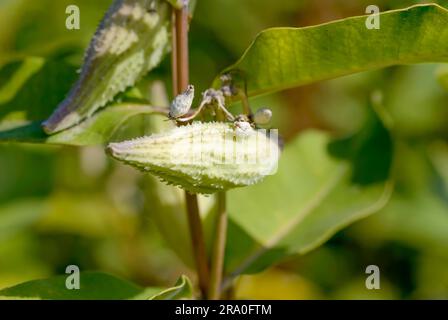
column 182, row 103
column 203, row 157
column 213, row 99
column 132, row 39
column 263, row 116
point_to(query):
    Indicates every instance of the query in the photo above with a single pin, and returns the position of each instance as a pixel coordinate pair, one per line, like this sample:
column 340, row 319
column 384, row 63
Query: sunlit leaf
column 96, row 130
column 281, row 58
column 309, row 199
column 33, row 87
column 94, row 286
column 131, row 40
column 181, row 290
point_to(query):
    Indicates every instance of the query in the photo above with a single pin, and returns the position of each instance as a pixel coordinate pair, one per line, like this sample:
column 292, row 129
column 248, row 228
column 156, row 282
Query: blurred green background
column 62, row 206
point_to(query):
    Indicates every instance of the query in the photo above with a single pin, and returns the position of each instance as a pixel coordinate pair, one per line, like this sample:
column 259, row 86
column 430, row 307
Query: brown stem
column 197, row 242
column 219, row 246
column 180, row 82
column 174, row 53
column 181, row 46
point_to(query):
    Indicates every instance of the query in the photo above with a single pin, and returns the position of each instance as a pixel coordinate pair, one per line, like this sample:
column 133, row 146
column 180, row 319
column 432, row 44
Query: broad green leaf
column 94, row 286
column 282, row 58
column 99, row 129
column 309, row 199
column 131, row 40
column 32, row 89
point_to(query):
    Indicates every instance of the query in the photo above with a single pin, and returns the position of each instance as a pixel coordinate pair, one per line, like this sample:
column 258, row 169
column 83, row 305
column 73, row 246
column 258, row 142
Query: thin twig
column 181, row 77
column 219, row 246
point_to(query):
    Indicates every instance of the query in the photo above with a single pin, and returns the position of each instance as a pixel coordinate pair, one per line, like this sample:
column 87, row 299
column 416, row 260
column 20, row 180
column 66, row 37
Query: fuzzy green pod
column 132, row 39
column 203, row 157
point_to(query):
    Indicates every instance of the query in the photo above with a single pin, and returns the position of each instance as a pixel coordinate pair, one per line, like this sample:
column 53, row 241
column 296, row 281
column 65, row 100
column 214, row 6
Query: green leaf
column 131, row 40
column 32, row 89
column 181, row 290
column 95, row 286
column 97, row 130
column 282, row 58
column 309, row 199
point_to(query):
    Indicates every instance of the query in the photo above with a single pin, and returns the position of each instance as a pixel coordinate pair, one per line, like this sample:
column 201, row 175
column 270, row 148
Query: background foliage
column 65, row 205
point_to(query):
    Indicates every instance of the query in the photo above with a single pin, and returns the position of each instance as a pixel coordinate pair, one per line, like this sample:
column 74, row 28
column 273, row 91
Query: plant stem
column 219, row 246
column 180, row 72
column 181, row 47
column 197, row 242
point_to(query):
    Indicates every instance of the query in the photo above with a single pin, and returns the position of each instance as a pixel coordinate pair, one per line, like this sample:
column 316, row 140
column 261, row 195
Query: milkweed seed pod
column 132, row 39
column 263, row 116
column 182, row 103
column 203, row 157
